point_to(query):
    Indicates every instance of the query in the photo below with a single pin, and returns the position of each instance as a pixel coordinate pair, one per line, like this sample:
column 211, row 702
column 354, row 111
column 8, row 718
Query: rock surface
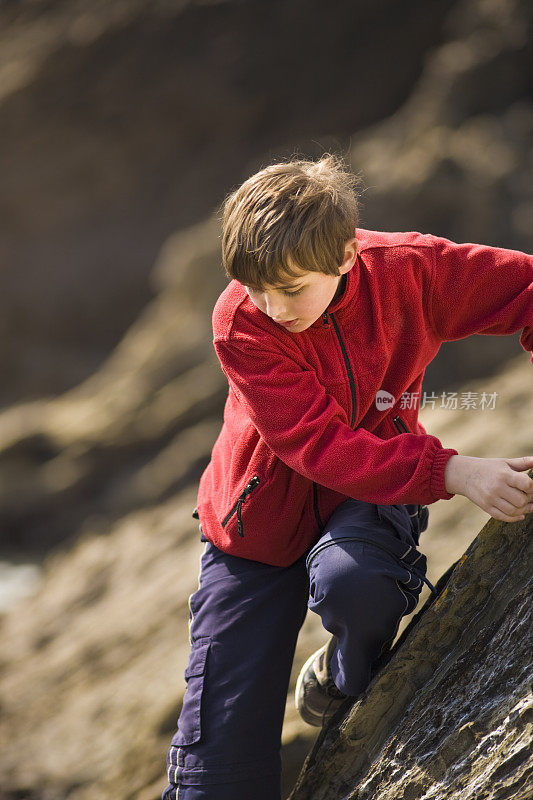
column 451, row 715
column 123, row 122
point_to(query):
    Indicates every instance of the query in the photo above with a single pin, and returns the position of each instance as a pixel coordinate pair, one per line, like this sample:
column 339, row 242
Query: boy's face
column 301, row 301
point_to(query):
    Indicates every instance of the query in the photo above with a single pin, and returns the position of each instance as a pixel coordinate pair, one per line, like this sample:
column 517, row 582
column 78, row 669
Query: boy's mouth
column 288, row 324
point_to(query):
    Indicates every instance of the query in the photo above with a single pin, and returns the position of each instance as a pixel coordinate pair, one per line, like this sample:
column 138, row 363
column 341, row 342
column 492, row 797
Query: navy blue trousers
column 361, row 577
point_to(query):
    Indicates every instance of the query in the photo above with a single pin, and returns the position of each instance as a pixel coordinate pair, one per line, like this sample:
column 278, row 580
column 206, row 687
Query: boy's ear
column 350, row 253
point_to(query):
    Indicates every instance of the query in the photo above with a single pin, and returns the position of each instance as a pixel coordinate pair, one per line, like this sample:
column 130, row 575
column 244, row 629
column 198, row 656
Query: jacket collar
column 350, row 291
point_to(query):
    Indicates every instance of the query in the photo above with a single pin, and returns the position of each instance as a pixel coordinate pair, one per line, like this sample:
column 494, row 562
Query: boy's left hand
column 493, row 484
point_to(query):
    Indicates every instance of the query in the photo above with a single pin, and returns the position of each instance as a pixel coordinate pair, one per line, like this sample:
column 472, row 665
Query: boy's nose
column 276, row 309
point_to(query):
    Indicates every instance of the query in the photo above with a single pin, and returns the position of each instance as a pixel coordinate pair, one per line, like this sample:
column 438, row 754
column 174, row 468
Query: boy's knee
column 355, row 579
column 339, row 576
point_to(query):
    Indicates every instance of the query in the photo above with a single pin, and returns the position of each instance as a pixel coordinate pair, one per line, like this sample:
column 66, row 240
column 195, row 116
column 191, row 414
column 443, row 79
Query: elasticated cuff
column 437, row 485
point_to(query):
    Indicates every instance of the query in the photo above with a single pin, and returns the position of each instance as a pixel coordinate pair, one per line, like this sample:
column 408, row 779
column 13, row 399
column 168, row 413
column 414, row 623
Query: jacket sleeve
column 309, row 431
column 480, row 289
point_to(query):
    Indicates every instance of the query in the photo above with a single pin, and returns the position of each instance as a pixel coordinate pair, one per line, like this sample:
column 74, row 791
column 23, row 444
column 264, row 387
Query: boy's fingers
column 520, row 463
column 509, row 509
column 505, row 517
column 522, row 482
column 515, row 497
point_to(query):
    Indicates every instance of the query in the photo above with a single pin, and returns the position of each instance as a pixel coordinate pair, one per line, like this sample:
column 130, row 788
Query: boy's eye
column 284, row 291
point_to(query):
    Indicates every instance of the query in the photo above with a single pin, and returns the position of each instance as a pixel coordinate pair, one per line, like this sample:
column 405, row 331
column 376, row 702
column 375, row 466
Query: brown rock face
column 121, row 123
column 451, row 715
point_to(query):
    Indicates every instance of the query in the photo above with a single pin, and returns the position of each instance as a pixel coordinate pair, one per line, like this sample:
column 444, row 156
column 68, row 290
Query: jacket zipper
column 237, row 507
column 346, row 363
column 325, row 322
column 400, row 425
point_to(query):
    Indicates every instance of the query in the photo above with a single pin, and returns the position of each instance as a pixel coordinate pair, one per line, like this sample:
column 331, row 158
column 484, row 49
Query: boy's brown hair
column 288, row 216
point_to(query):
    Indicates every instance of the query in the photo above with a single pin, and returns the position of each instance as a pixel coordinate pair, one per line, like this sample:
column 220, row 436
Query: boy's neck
column 340, row 289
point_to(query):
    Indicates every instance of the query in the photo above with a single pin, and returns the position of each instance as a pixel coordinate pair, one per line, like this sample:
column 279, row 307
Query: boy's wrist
column 437, row 486
column 453, row 474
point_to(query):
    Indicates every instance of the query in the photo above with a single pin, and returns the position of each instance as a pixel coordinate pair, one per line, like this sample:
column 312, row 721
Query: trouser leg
column 245, row 619
column 365, row 574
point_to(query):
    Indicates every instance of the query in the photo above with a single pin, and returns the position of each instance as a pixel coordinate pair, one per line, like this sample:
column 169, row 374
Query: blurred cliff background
column 122, row 127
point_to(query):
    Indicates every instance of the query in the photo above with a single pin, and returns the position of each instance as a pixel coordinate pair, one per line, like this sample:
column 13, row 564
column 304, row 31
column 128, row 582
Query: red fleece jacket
column 302, row 431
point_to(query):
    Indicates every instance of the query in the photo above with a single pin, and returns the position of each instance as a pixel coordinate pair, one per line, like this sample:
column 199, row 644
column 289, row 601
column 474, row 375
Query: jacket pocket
column 271, row 518
column 237, row 506
column 190, row 721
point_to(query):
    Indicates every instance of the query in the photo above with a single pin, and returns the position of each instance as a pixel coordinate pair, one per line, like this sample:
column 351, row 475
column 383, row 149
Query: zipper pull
column 240, row 531
column 398, row 421
column 246, row 491
column 325, row 320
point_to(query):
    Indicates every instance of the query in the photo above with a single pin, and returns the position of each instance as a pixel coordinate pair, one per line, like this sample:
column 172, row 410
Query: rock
column 138, row 429
column 451, row 714
column 124, row 122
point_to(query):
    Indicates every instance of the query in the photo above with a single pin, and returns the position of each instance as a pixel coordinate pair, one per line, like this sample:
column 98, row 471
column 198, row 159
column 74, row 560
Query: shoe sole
column 303, row 712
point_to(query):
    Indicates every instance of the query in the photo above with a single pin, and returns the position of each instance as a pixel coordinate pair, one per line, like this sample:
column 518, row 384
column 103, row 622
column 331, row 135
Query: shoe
column 316, row 696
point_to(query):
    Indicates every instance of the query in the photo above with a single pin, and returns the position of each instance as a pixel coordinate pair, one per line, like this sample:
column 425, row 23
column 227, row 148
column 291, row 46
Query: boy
column 319, row 481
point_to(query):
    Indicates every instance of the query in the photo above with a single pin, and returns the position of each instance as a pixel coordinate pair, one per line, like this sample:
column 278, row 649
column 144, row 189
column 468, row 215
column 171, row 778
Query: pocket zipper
column 400, row 425
column 238, row 506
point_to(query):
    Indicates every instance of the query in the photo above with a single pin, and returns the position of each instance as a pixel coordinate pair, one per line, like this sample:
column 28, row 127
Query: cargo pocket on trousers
column 410, row 588
column 190, row 720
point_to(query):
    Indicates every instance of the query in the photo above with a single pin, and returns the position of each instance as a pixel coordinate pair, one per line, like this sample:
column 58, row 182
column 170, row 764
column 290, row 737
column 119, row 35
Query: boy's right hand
column 496, row 485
